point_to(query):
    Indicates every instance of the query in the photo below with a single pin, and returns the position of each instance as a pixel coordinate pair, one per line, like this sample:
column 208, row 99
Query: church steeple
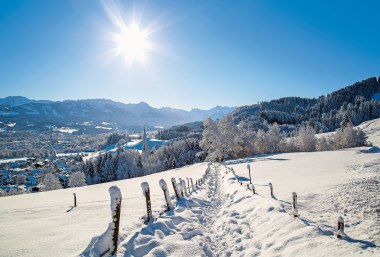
column 145, row 147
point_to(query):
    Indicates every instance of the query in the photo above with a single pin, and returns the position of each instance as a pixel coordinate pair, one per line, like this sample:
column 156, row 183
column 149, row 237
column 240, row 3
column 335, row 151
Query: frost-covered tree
column 306, row 138
column 51, row 182
column 325, row 143
column 210, row 141
column 262, row 142
column 349, row 136
column 77, row 179
column 274, row 138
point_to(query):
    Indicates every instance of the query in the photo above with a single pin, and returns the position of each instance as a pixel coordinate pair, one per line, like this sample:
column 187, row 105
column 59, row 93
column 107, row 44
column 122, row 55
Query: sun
column 132, row 43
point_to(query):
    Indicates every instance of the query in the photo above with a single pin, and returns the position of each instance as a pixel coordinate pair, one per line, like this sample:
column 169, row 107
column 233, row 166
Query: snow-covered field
column 223, row 218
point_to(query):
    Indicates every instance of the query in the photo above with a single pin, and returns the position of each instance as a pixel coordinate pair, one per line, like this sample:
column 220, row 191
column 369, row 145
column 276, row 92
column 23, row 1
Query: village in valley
column 26, row 174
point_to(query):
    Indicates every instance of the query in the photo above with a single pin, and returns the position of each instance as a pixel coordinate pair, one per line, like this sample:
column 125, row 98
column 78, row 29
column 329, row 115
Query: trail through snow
column 224, row 218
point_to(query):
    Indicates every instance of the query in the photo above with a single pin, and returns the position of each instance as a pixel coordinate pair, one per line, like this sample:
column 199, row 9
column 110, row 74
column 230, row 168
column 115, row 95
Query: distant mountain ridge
column 96, row 114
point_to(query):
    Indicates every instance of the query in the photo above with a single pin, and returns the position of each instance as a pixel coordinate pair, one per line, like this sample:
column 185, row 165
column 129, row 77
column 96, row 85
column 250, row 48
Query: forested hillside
column 324, row 113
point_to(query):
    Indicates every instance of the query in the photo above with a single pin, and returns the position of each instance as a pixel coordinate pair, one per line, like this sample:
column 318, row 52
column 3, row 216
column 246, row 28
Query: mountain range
column 21, row 113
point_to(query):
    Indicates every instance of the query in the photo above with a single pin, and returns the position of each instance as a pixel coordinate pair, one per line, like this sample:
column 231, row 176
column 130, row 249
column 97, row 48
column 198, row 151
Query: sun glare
column 130, row 36
column 132, row 44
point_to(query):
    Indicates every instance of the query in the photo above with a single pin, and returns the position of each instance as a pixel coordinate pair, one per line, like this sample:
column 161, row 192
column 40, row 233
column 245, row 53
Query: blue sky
column 210, row 52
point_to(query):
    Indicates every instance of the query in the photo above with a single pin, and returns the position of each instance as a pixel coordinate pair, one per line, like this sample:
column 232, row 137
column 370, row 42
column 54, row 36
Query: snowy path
column 224, row 218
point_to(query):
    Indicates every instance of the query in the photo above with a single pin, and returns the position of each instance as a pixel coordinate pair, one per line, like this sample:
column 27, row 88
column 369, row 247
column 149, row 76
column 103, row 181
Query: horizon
column 221, row 54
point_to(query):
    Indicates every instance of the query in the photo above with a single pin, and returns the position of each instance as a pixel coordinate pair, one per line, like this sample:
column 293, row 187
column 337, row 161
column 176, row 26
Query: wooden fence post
column 175, row 187
column 183, row 186
column 146, row 193
column 295, row 208
column 249, row 171
column 180, row 187
column 271, row 189
column 192, row 184
column 115, row 195
column 75, row 199
column 253, row 189
column 340, row 227
column 188, row 184
column 168, row 200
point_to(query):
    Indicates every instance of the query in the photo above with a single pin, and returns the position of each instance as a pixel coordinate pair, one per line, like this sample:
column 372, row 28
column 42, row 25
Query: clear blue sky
column 213, row 52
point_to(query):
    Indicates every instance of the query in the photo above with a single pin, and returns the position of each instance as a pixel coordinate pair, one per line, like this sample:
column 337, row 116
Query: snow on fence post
column 271, row 190
column 115, row 195
column 340, row 227
column 188, row 184
column 146, row 193
column 249, row 171
column 175, row 186
column 168, row 200
column 192, row 184
column 295, row 208
column 180, row 187
column 75, row 199
column 184, row 187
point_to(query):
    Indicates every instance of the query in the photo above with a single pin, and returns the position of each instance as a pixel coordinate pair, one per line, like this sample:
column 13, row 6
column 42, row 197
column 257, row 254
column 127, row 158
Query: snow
column 61, row 230
column 372, row 130
column 102, row 127
column 220, row 217
column 13, row 160
column 66, row 130
column 11, row 124
column 144, row 187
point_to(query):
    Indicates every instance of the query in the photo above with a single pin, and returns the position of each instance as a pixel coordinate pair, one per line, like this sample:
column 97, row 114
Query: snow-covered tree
column 346, row 137
column 262, row 142
column 51, row 182
column 274, row 138
column 306, row 138
column 77, row 179
column 325, row 143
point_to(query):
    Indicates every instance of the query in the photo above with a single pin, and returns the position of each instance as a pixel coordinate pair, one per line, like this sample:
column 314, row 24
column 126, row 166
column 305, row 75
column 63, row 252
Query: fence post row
column 168, row 200
column 75, row 199
column 175, row 187
column 146, row 193
column 271, row 190
column 340, row 227
column 295, row 208
column 249, row 171
column 115, row 195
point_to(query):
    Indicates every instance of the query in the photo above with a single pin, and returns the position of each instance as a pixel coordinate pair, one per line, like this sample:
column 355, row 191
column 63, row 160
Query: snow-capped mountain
column 23, row 112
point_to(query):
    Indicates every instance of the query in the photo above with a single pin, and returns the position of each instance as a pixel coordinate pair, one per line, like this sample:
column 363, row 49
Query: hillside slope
column 221, row 219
